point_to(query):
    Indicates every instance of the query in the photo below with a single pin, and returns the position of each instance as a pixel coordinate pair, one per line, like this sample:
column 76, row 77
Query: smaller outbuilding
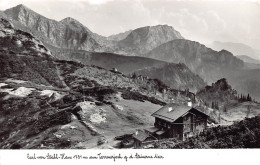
column 142, row 138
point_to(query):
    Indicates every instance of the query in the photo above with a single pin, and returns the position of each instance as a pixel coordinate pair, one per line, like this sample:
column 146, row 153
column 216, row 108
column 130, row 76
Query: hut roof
column 140, row 135
column 173, row 111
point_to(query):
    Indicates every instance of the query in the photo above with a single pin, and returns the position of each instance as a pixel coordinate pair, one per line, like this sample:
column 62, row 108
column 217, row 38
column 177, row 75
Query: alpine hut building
column 178, row 121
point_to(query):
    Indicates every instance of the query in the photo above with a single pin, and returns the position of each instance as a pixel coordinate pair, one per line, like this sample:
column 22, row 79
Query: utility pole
column 219, row 119
column 83, row 89
column 248, row 110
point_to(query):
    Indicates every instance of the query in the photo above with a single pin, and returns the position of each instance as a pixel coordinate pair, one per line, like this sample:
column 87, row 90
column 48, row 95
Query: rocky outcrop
column 19, row 41
column 220, row 91
column 24, row 57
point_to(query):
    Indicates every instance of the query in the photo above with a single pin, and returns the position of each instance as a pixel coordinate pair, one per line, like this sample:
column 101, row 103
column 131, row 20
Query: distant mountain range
column 248, row 59
column 237, row 49
column 207, row 63
column 71, row 34
column 159, row 45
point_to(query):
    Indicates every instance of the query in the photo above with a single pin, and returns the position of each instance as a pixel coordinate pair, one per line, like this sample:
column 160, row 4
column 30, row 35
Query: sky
column 204, row 21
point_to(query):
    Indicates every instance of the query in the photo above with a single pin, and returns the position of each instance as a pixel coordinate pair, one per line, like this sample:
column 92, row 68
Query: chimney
column 169, row 109
column 189, row 103
column 136, row 132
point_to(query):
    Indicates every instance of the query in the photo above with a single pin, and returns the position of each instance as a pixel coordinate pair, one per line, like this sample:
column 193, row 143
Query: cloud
column 98, row 1
column 4, row 4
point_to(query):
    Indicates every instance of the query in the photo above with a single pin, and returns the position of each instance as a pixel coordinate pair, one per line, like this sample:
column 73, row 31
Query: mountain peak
column 69, row 19
column 20, row 7
column 157, row 27
column 146, row 38
column 74, row 24
column 225, row 52
column 161, row 26
column 21, row 13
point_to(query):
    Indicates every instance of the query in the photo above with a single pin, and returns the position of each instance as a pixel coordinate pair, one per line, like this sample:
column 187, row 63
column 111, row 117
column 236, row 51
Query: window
column 164, row 124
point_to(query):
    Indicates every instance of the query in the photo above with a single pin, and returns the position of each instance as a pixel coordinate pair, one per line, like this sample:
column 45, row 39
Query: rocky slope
column 177, row 76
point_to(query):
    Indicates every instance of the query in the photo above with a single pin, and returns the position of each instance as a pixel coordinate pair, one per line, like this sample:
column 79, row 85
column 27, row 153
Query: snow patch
column 68, row 126
column 58, row 135
column 3, row 84
column 49, row 93
column 18, row 43
column 85, row 106
column 119, row 96
column 97, row 118
column 15, row 81
column 20, row 92
column 119, row 107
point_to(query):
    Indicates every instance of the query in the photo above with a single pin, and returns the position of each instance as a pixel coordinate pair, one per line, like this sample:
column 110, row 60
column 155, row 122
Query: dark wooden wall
column 189, row 125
